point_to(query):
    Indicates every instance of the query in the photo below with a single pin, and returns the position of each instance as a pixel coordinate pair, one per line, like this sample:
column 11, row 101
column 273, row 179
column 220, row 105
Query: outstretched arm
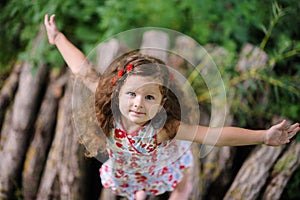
column 74, row 58
column 71, row 54
column 233, row 136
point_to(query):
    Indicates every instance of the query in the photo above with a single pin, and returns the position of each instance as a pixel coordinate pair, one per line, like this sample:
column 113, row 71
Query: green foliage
column 273, row 26
column 121, row 15
column 18, row 21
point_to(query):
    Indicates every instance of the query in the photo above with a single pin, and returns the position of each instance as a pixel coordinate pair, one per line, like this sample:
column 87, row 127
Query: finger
column 52, row 19
column 294, row 132
column 46, row 22
column 293, row 127
column 281, row 125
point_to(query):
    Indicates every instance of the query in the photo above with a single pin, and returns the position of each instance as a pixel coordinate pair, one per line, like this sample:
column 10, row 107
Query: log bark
column 218, row 166
column 64, row 174
column 106, row 53
column 155, row 43
column 24, row 111
column 44, row 128
column 5, row 129
column 282, row 172
column 8, row 91
column 254, row 173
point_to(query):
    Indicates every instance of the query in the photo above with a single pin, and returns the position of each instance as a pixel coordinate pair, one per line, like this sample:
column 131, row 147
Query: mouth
column 136, row 112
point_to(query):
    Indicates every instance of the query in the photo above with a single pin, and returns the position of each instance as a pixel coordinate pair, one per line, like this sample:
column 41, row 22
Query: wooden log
column 63, row 176
column 218, row 166
column 254, row 173
column 155, row 43
column 282, row 172
column 25, row 107
column 215, row 162
column 5, row 129
column 8, row 91
column 106, row 53
column 44, row 128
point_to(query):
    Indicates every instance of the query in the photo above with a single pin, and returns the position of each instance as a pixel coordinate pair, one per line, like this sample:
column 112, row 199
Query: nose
column 138, row 102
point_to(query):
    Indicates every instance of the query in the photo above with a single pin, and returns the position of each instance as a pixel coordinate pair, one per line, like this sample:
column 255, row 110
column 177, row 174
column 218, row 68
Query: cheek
column 153, row 110
column 123, row 103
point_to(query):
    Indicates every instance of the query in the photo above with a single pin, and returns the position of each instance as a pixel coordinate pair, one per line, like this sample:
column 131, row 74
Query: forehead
column 142, row 83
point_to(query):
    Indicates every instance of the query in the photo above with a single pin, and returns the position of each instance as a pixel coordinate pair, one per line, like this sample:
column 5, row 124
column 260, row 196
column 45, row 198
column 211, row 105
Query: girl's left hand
column 280, row 134
column 51, row 28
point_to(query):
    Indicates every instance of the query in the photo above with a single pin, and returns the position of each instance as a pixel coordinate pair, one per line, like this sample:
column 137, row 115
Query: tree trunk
column 254, row 173
column 282, row 172
column 24, row 111
column 8, row 91
column 39, row 147
column 64, row 173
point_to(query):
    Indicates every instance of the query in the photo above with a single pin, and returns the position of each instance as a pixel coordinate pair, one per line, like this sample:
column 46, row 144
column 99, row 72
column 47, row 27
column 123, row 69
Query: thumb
column 281, row 125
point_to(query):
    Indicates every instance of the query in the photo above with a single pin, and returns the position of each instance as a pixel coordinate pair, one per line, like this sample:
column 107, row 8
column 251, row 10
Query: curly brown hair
column 107, row 93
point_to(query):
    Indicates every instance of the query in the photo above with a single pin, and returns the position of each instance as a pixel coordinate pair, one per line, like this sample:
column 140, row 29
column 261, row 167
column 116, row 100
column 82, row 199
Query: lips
column 136, row 112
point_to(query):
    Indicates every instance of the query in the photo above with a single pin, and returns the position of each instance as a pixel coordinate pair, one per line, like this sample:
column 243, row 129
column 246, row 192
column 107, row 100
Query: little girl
column 141, row 118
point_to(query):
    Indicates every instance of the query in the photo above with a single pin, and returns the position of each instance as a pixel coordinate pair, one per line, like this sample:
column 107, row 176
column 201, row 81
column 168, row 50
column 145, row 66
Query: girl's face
column 140, row 99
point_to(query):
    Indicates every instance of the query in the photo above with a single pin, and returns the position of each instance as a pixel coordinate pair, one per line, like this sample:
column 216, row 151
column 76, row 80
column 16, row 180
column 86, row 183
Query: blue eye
column 149, row 97
column 132, row 94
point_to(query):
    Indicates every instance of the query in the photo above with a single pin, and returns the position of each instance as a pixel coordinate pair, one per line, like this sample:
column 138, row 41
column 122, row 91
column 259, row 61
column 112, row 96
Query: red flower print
column 141, row 179
column 150, row 147
column 131, row 141
column 154, row 191
column 164, row 170
column 119, row 144
column 119, row 133
column 124, row 185
column 120, row 160
column 170, row 177
column 174, row 184
column 131, row 149
column 106, row 168
column 154, row 157
column 106, row 185
column 120, row 171
column 152, row 168
column 134, row 164
column 181, row 167
column 121, row 72
column 133, row 158
column 118, row 176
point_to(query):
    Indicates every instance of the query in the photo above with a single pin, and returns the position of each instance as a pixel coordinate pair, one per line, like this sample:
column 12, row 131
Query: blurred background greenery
column 271, row 26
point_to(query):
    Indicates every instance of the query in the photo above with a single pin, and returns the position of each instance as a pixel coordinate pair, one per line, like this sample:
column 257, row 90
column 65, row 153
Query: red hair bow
column 121, row 72
column 129, row 67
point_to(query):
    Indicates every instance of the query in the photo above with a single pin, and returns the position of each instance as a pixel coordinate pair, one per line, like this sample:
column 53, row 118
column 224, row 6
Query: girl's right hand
column 280, row 134
column 51, row 28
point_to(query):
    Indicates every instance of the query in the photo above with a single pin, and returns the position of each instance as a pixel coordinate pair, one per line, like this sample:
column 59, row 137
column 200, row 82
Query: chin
column 138, row 121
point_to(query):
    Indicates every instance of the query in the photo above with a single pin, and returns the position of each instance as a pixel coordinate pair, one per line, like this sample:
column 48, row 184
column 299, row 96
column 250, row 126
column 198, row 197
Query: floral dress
column 136, row 162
